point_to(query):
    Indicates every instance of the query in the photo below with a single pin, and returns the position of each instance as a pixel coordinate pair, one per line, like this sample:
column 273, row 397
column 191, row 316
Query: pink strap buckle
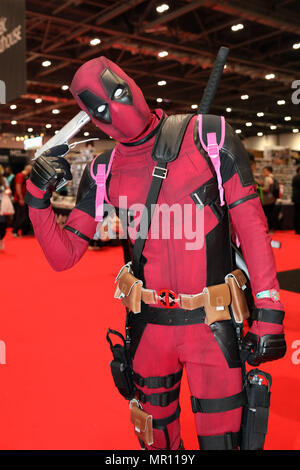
column 213, row 150
column 100, row 179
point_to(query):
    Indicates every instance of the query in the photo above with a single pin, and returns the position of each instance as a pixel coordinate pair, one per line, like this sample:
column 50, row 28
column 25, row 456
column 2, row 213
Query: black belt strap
column 159, row 399
column 217, row 405
column 168, row 381
column 170, row 316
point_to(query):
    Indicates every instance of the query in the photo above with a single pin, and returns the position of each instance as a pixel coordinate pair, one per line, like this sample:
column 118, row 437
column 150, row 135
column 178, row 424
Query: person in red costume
column 165, row 339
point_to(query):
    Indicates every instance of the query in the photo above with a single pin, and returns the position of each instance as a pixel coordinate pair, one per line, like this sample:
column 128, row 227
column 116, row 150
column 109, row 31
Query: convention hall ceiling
column 169, row 51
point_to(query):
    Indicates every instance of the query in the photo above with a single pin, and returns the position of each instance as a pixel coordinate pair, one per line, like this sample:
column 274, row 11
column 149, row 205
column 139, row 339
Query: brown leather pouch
column 236, row 281
column 129, row 289
column 216, row 302
column 142, row 422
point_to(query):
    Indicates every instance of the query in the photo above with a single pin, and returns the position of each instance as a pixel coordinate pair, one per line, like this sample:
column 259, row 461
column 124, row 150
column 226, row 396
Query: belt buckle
column 167, row 298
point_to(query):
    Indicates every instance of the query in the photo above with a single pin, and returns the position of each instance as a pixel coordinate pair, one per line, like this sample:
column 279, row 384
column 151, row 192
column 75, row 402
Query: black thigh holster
column 256, row 412
column 121, row 366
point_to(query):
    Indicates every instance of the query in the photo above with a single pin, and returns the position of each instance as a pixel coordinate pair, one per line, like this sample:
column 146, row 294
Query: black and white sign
column 12, row 50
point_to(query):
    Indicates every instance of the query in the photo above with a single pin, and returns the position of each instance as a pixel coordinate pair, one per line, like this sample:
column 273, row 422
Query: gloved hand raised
column 50, row 168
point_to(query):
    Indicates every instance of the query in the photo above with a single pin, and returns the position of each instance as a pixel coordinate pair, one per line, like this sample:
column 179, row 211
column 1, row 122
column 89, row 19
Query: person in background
column 5, row 212
column 10, row 176
column 21, row 221
column 268, row 197
column 296, row 200
column 258, row 183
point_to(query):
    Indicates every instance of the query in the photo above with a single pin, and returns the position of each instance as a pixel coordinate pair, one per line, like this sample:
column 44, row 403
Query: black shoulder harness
column 169, row 138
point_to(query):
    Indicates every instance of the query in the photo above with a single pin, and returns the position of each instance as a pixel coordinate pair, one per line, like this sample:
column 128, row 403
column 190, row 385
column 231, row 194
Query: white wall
column 286, row 140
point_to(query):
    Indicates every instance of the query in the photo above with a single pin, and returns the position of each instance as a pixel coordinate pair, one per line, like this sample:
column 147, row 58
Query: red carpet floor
column 56, row 390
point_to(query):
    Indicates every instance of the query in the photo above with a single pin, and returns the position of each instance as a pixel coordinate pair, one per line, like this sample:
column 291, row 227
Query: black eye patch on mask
column 95, row 106
column 116, row 88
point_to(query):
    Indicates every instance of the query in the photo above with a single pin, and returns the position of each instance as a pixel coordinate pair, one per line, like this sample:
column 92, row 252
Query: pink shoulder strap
column 100, row 179
column 213, row 150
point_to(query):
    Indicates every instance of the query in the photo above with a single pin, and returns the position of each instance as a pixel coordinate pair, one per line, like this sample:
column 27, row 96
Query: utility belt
column 166, row 307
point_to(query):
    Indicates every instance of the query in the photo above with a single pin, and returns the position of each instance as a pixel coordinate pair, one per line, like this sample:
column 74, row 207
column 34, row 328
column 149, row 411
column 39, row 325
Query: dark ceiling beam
column 237, row 61
column 205, row 62
column 193, row 5
column 117, row 9
column 258, row 14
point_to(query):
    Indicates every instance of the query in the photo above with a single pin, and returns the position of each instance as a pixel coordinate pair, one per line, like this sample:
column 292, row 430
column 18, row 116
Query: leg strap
column 161, row 425
column 227, row 441
column 163, row 422
column 159, row 399
column 217, row 405
column 168, row 381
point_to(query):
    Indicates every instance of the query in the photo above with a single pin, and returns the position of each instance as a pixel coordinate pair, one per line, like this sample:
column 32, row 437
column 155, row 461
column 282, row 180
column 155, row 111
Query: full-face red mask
column 112, row 100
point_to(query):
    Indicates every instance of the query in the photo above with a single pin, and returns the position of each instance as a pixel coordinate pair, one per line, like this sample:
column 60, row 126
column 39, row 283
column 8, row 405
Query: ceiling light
column 13, row 123
column 13, row 106
column 162, row 8
column 55, row 111
column 228, row 110
column 29, row 129
column 56, row 132
column 260, row 114
column 38, row 100
column 296, row 45
column 270, row 76
column 237, row 27
column 17, row 139
column 163, row 54
column 86, row 134
column 48, row 126
column 295, row 131
column 65, row 87
column 238, row 131
column 244, row 97
column 159, row 100
column 95, row 42
column 273, row 127
column 260, row 134
column 281, row 102
column 46, row 63
column 287, row 118
column 161, row 83
column 248, row 124
column 194, row 106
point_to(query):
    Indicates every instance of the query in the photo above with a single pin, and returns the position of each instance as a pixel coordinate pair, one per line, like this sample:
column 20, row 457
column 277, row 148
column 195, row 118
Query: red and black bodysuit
column 166, row 340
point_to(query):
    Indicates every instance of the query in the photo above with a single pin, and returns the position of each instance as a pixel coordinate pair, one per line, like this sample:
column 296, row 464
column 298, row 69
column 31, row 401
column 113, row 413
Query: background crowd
column 14, row 212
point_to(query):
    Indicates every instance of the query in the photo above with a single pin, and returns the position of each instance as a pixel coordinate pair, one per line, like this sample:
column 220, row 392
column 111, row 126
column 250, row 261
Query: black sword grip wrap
column 212, row 85
column 56, row 151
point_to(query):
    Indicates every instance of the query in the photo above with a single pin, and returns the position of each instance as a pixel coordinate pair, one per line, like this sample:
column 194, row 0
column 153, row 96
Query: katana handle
column 213, row 82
